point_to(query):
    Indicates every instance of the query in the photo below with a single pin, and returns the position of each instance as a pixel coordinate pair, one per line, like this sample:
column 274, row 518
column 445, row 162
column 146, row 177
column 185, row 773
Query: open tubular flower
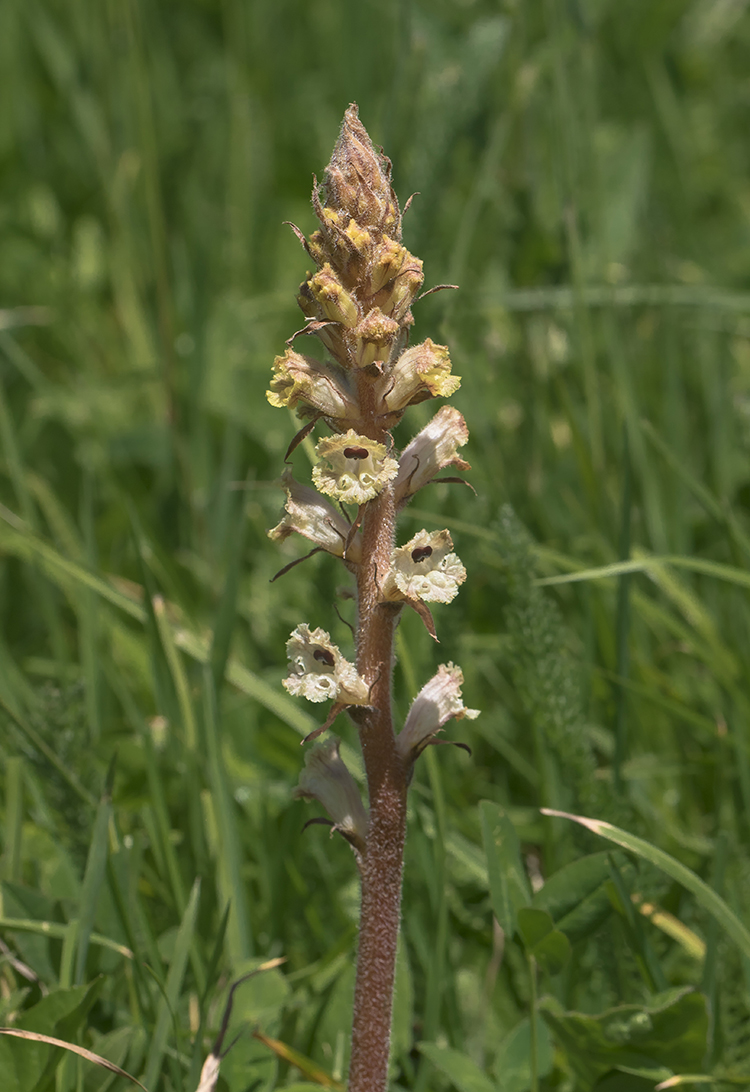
column 310, row 515
column 431, row 450
column 424, row 371
column 326, row 779
column 318, row 671
column 425, row 568
column 319, row 387
column 435, row 704
column 358, row 468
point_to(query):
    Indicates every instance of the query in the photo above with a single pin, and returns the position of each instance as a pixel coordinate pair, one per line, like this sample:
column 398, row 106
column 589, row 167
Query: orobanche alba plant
column 358, row 304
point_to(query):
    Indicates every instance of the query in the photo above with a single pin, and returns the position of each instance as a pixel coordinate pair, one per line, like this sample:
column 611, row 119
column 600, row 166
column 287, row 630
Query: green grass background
column 583, row 173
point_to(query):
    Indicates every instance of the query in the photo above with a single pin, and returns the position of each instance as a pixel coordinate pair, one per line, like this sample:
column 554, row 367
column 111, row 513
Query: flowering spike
column 357, row 302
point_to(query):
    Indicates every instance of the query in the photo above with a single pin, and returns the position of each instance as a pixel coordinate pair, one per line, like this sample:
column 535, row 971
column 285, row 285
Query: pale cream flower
column 358, row 468
column 310, row 515
column 326, row 779
column 322, row 387
column 425, row 568
column 422, row 372
column 434, row 705
column 319, row 672
column 431, row 450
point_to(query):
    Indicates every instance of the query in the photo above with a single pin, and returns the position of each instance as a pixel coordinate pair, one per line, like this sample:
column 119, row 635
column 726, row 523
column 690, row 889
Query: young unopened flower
column 324, row 387
column 307, row 513
column 424, row 371
column 358, row 468
column 326, row 779
column 375, row 334
column 431, row 450
column 318, row 671
column 425, row 568
column 434, row 705
column 333, row 299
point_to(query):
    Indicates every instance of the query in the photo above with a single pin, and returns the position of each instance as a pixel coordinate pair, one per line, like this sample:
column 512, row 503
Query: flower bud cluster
column 358, row 305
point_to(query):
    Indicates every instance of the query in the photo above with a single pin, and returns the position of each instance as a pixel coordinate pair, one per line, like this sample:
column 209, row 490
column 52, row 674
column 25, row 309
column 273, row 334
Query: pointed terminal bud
column 358, row 467
column 422, row 372
column 326, row 779
column 307, row 513
column 318, row 671
column 375, row 335
column 435, row 704
column 358, row 179
column 431, row 450
column 425, row 568
column 324, row 387
column 333, row 299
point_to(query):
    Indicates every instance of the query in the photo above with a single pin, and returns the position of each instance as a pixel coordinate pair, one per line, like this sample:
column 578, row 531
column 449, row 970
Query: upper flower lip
column 312, row 516
column 434, row 705
column 325, row 778
column 433, row 449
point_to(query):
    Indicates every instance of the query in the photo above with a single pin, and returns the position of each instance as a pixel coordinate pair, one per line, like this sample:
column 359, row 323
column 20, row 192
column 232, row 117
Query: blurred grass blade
column 13, row 816
column 707, row 898
column 177, row 671
column 229, row 845
column 96, row 864
column 306, row 1066
column 169, row 1002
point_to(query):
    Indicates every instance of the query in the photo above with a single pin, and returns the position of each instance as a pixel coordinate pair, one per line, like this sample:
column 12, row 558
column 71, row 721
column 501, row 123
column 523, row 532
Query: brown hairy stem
column 382, row 862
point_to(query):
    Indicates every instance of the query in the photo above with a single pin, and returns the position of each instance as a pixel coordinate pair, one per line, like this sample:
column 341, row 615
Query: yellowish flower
column 354, row 469
column 425, row 568
column 318, row 671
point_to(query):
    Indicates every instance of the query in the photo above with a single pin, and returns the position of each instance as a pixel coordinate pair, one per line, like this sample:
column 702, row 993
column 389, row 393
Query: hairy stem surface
column 382, row 862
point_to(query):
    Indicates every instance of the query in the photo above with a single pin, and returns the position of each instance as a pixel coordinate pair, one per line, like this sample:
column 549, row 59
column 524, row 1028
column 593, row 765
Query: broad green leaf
column 671, row 1032
column 509, row 884
column 707, row 898
column 576, row 895
column 60, row 1014
column 464, row 1074
column 513, row 1060
column 549, row 947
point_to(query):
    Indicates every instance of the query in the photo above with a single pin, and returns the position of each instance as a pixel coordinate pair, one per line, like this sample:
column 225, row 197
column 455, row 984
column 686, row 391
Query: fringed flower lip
column 358, row 468
column 321, row 387
column 318, row 671
column 436, row 703
column 425, row 568
column 422, row 372
column 433, row 449
column 316, row 519
column 325, row 778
